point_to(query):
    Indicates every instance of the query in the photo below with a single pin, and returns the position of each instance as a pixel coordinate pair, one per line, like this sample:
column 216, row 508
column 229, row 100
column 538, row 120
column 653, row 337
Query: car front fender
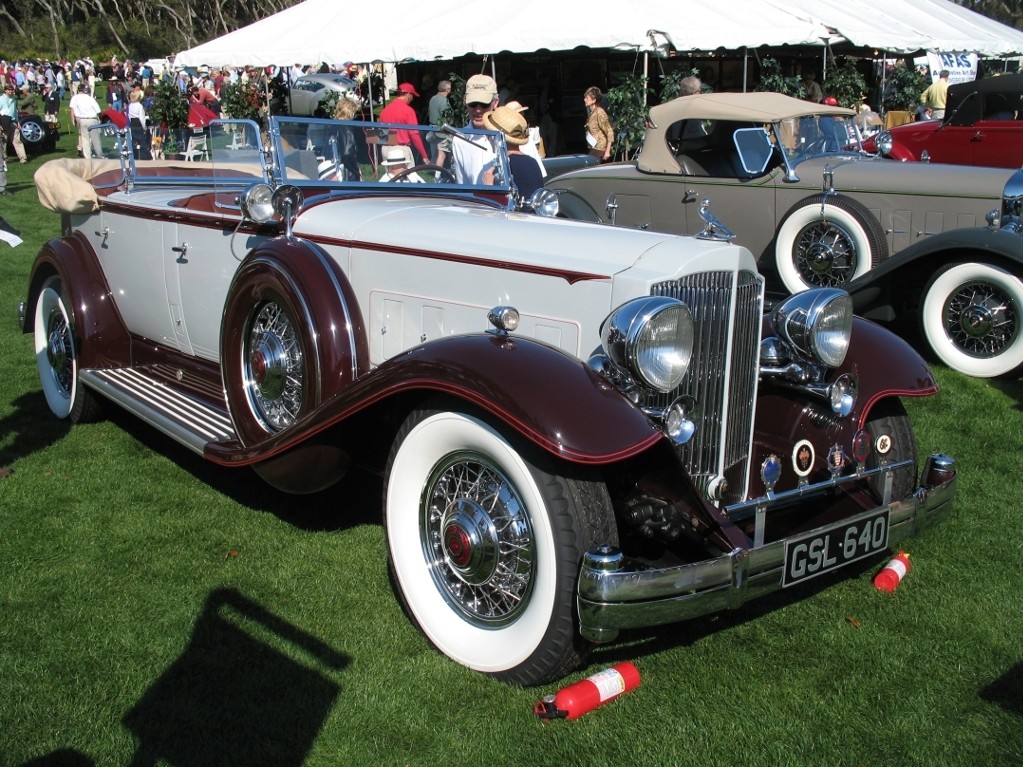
column 552, row 399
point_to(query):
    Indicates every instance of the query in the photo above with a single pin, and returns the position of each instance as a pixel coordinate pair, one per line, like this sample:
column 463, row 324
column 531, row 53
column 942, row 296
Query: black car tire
column 35, row 134
column 485, row 544
column 57, row 357
column 826, row 241
column 971, row 314
column 892, row 439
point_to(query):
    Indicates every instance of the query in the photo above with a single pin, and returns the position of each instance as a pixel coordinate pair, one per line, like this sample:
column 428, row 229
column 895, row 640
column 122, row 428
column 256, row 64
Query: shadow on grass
column 354, row 501
column 250, row 688
column 33, row 427
column 1007, row 690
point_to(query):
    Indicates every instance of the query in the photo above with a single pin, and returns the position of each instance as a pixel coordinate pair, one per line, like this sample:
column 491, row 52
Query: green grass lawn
column 158, row 609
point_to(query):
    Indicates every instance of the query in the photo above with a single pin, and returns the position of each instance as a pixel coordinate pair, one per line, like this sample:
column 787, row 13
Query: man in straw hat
column 524, row 169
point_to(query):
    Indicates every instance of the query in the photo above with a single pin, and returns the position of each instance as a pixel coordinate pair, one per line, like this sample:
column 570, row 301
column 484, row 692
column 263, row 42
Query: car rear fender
column 102, row 338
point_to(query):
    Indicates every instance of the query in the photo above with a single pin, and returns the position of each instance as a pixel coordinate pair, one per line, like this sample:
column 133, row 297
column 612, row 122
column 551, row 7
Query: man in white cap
column 397, row 160
column 473, row 160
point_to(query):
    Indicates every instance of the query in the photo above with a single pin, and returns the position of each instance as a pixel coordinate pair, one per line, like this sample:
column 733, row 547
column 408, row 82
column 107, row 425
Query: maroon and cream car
column 581, row 429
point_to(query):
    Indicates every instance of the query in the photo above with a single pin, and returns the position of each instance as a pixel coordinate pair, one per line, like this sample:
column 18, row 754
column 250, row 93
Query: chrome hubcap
column 478, row 541
column 273, row 368
column 58, row 354
column 981, row 320
column 825, row 255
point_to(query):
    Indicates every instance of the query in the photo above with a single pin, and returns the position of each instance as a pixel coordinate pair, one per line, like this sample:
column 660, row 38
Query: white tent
column 317, row 31
column 907, row 26
column 328, row 31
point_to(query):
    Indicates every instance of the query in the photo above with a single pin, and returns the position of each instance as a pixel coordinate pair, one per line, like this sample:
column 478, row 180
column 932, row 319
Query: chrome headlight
column 1012, row 197
column 652, row 339
column 817, row 324
column 884, row 142
column 544, row 203
column 257, row 203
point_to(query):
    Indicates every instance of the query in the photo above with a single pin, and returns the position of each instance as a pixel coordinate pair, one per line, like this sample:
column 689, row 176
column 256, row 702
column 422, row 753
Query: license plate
column 820, row 552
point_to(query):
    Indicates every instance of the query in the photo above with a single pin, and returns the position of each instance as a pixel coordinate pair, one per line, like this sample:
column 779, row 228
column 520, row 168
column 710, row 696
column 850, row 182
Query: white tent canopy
column 907, row 26
column 317, row 31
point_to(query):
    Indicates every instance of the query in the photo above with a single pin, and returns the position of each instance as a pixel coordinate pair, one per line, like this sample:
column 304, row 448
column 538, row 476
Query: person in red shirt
column 400, row 112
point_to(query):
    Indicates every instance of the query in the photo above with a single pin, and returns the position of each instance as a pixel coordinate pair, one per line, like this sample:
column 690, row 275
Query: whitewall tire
column 971, row 315
column 485, row 546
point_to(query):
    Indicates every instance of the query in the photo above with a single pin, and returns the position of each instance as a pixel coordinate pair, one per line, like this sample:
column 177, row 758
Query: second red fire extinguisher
column 582, row 697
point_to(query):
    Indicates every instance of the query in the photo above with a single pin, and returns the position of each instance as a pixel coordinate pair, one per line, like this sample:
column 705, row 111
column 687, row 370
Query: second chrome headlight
column 817, row 324
column 652, row 339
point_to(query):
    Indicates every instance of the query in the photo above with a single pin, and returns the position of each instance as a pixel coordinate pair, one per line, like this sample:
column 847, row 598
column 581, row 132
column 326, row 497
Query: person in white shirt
column 474, row 159
column 85, row 113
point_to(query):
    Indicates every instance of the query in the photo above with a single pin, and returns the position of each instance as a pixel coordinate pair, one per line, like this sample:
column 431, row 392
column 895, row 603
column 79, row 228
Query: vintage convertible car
column 960, row 291
column 790, row 179
column 983, row 125
column 580, row 429
column 37, row 135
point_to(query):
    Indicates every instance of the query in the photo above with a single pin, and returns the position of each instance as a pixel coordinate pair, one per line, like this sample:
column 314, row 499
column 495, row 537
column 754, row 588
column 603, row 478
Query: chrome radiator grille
column 722, row 378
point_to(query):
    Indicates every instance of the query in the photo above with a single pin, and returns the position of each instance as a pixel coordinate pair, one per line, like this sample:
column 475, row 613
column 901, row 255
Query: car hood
column 481, row 234
column 875, row 174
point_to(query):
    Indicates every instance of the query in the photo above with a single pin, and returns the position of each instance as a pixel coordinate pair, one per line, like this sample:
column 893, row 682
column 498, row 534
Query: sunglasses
column 478, row 104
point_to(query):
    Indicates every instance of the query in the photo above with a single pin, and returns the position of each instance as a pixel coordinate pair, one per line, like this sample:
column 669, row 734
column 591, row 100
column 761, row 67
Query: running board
column 184, row 419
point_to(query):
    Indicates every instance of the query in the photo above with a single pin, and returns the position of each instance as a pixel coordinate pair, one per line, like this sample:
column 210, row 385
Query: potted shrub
column 170, row 112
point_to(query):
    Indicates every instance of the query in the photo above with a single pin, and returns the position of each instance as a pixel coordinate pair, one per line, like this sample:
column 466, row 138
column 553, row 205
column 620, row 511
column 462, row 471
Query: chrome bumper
column 612, row 597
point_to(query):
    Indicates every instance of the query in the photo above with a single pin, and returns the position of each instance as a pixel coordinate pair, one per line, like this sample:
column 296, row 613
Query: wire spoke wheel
column 273, row 366
column 478, row 540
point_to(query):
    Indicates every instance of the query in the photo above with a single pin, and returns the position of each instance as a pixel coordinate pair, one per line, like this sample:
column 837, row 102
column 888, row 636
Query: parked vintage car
column 960, row 292
column 309, row 90
column 789, row 178
column 983, row 125
column 632, row 442
column 37, row 135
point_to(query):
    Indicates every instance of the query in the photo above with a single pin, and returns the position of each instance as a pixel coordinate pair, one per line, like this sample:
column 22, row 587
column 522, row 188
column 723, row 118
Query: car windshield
column 815, row 135
column 318, row 152
column 338, row 151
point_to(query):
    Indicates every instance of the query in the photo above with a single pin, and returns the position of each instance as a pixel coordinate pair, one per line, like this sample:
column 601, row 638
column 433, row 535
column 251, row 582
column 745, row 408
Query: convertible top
column 1008, row 84
column 754, row 107
column 764, row 108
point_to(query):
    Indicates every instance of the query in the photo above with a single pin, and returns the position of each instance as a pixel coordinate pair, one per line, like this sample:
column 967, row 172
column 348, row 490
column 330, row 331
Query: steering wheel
column 449, row 177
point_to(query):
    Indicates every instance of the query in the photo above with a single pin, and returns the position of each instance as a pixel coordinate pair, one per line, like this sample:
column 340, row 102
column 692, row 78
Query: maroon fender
column 551, row 398
column 103, row 340
column 316, row 291
column 904, row 373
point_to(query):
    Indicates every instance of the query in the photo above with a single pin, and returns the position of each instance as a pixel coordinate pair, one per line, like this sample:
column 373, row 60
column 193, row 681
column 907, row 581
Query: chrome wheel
column 273, row 370
column 981, row 320
column 825, row 255
column 971, row 319
column 478, row 540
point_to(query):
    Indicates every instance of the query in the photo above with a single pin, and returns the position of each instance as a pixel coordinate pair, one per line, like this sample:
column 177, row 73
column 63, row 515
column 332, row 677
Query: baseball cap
column 407, row 88
column 480, row 89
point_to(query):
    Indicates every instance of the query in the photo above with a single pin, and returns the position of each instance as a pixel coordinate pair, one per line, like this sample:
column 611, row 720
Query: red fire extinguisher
column 582, row 697
column 891, row 574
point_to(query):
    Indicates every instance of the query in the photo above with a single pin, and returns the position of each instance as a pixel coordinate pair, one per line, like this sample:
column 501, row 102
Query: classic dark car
column 581, row 429
column 983, row 125
column 37, row 135
column 789, row 178
column 959, row 291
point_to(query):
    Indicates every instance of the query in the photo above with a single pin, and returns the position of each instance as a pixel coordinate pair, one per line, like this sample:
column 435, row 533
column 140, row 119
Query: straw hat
column 510, row 122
